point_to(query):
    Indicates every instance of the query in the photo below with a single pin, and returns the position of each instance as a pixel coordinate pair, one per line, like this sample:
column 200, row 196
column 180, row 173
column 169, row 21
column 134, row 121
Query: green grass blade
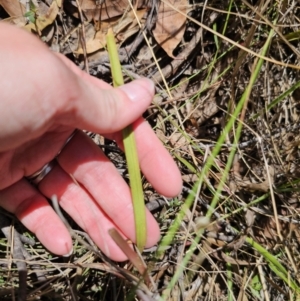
column 241, row 104
column 274, row 264
column 130, row 152
column 277, row 100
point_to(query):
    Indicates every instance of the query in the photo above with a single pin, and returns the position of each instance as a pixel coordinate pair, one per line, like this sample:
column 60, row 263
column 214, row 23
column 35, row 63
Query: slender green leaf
column 130, row 152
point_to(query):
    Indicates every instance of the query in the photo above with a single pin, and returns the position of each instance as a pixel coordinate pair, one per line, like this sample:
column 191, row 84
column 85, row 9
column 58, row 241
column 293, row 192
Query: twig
column 83, row 38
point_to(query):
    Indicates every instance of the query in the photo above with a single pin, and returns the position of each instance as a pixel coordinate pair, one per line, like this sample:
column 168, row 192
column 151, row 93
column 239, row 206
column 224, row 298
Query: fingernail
column 139, row 89
column 69, row 254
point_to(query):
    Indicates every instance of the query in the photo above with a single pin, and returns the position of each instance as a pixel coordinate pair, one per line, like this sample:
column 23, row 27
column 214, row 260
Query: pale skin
column 44, row 97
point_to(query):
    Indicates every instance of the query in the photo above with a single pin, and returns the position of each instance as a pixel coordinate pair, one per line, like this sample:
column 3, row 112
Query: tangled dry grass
column 247, row 247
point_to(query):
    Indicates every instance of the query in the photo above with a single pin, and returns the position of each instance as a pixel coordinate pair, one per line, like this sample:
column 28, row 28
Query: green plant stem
column 130, row 152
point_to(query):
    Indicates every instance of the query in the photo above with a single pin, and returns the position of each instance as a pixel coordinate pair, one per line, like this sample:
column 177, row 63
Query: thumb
column 104, row 109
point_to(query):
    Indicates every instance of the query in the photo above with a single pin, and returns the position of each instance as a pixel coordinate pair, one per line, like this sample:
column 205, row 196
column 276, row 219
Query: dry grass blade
column 132, row 256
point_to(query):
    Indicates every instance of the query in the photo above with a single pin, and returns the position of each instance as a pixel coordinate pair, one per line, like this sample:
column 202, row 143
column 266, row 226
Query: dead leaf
column 190, row 178
column 250, row 218
column 59, row 3
column 128, row 24
column 44, row 20
column 170, row 25
column 179, row 141
column 222, row 256
column 105, row 10
column 263, row 186
column 15, row 9
column 122, row 27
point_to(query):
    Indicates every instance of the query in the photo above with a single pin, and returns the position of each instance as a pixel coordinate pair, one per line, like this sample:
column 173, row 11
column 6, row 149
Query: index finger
column 156, row 163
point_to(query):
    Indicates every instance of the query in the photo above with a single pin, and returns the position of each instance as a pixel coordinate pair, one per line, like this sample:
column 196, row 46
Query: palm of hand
column 44, row 98
column 101, row 200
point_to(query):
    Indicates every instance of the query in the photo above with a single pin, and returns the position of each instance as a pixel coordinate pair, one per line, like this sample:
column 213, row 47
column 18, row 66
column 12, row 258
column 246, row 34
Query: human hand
column 44, row 98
